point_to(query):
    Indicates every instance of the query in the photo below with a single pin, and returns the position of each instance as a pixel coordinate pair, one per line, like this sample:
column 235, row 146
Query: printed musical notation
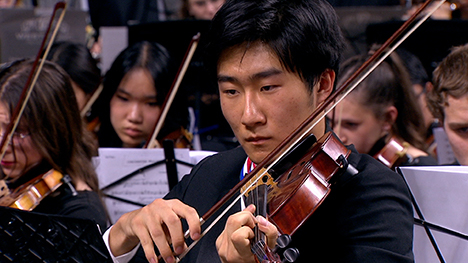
column 143, row 186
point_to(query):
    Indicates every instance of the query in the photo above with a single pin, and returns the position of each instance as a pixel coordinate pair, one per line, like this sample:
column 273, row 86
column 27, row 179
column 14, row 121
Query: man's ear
column 325, row 87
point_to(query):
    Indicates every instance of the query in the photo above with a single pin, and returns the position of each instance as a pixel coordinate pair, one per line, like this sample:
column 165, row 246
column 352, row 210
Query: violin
column 292, row 193
column 393, row 153
column 301, row 169
column 182, row 138
column 28, row 196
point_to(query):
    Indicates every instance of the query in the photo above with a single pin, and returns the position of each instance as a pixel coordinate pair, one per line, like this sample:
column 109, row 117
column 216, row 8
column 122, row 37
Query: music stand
column 439, row 200
column 133, row 178
column 35, row 237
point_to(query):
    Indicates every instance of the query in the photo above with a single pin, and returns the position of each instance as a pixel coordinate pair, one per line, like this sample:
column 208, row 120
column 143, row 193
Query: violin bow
column 32, row 78
column 319, row 113
column 152, row 142
column 91, row 100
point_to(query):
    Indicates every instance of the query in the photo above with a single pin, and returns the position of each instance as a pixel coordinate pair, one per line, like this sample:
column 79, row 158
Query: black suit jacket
column 367, row 217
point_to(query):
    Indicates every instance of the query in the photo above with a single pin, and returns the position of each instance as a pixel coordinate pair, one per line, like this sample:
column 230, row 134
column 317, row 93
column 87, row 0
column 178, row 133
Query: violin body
column 290, row 199
column 393, row 153
column 300, row 191
column 29, row 195
column 182, row 138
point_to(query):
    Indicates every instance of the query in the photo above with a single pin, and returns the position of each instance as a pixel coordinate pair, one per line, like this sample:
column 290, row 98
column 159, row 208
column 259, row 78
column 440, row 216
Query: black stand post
column 171, row 165
column 169, row 160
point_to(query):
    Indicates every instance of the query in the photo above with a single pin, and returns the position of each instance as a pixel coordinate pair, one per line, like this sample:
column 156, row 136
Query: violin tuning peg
column 283, row 241
column 290, row 255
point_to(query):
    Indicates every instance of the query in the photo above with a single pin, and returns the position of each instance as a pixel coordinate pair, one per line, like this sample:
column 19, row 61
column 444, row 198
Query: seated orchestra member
column 80, row 65
column 50, row 135
column 135, row 88
column 448, row 100
column 274, row 62
column 200, row 9
column 383, row 106
column 421, row 85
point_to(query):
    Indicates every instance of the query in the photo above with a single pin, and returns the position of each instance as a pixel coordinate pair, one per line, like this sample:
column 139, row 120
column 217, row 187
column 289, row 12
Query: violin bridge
column 255, row 181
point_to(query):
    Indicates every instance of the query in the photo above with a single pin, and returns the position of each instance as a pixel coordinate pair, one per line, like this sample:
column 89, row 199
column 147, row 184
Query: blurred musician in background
column 134, row 90
column 445, row 12
column 381, row 108
column 76, row 60
column 421, row 85
column 10, row 3
column 448, row 101
column 200, row 9
column 50, row 135
column 461, row 9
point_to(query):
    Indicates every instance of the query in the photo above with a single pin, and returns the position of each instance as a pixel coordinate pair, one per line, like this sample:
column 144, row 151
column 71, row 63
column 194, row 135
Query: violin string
column 310, row 127
column 216, row 220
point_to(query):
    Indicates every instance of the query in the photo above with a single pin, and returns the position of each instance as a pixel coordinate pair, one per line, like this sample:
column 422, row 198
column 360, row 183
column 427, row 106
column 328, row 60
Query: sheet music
column 441, row 193
column 115, row 163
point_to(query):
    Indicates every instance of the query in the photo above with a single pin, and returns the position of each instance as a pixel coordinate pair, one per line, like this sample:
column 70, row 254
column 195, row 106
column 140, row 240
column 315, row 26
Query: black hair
column 413, row 64
column 78, row 62
column 304, row 34
column 156, row 59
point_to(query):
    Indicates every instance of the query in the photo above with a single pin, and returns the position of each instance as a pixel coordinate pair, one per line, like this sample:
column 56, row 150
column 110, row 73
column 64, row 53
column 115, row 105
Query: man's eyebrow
column 267, row 73
column 457, row 125
column 225, row 78
column 260, row 75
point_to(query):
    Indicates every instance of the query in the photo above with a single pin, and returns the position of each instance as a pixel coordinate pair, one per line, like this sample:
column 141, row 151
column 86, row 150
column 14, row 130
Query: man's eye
column 267, row 88
column 230, row 92
column 463, row 131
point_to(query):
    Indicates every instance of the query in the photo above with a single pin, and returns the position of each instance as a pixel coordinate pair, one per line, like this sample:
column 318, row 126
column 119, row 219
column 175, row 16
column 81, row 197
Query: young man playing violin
column 275, row 61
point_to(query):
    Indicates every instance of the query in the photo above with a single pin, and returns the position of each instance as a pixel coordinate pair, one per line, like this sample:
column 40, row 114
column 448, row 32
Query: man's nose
column 253, row 113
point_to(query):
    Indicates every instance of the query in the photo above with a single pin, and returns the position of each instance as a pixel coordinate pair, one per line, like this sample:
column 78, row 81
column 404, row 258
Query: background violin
column 29, row 195
column 392, row 153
